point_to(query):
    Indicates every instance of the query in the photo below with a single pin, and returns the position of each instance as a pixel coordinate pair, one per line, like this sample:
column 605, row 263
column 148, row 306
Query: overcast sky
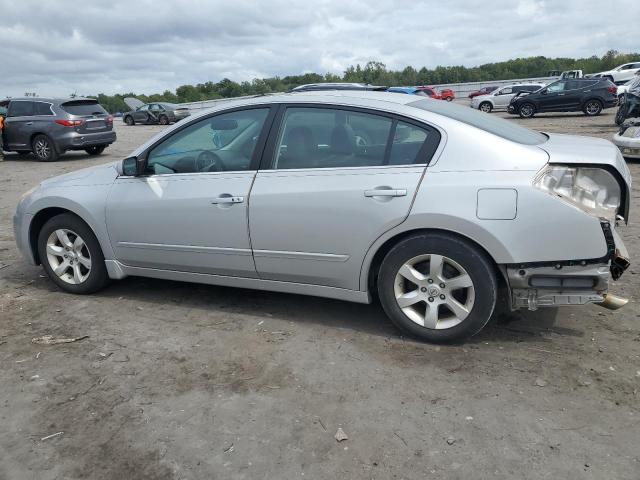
column 57, row 47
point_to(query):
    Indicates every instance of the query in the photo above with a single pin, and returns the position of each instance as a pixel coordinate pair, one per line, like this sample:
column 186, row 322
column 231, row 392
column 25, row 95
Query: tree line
column 376, row 73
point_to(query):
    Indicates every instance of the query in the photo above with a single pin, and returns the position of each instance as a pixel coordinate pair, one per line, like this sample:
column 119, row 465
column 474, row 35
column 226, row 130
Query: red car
column 444, row 94
column 482, row 91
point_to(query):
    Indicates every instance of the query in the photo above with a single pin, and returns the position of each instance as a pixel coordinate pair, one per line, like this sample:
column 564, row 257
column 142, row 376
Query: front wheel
column 129, row 120
column 526, row 110
column 163, row 120
column 44, row 149
column 449, row 99
column 486, row 107
column 437, row 287
column 621, row 114
column 592, row 108
column 95, row 150
column 71, row 255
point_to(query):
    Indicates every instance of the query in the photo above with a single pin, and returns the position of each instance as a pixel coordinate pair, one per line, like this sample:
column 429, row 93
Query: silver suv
column 50, row 127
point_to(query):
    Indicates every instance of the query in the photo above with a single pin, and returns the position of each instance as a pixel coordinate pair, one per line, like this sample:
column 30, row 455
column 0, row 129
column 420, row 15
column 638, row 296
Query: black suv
column 49, row 127
column 589, row 95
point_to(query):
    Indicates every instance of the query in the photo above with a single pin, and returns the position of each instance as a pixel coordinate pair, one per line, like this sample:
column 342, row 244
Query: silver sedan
column 434, row 208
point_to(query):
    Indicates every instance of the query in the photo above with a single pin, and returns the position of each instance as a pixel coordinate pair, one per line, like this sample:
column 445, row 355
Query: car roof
column 46, row 100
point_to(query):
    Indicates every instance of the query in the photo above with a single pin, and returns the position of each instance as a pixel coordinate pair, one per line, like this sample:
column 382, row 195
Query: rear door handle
column 226, row 199
column 386, row 192
column 29, row 123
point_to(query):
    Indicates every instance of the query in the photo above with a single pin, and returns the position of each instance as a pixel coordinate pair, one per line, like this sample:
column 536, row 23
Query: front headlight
column 591, row 189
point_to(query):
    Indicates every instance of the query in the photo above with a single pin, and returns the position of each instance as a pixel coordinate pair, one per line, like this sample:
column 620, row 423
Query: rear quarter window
column 42, row 108
column 484, row 121
column 83, row 108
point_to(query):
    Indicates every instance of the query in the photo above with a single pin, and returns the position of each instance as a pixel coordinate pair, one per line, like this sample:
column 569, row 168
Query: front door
column 502, row 98
column 335, row 180
column 189, row 213
column 557, row 97
column 141, row 115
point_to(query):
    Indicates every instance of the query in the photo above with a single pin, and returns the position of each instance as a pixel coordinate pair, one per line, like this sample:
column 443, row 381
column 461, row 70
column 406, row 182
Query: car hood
column 590, row 151
column 97, row 175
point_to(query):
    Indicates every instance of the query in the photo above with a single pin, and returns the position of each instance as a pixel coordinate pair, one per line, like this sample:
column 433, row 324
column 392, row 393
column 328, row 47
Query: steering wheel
column 207, row 161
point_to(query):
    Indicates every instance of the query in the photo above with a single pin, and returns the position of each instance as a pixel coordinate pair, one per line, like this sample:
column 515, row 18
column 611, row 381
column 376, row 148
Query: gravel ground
column 185, row 381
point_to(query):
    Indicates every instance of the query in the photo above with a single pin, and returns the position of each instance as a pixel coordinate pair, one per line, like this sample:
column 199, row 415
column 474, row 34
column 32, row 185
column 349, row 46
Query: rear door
column 333, row 180
column 19, row 125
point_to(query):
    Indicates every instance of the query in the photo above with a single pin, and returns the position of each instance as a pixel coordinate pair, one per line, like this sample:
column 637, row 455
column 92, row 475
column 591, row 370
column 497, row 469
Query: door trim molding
column 326, row 257
column 187, row 248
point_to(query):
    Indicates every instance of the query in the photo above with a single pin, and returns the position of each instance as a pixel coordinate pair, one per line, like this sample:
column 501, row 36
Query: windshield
column 498, row 126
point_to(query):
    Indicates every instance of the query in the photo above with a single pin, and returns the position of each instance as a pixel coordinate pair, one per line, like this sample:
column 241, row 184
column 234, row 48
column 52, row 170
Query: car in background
column 628, row 138
column 483, row 91
column 624, row 88
column 161, row 113
column 48, row 127
column 408, row 90
column 589, row 95
column 432, row 216
column 499, row 99
column 319, row 87
column 443, row 94
column 618, row 75
column 3, row 111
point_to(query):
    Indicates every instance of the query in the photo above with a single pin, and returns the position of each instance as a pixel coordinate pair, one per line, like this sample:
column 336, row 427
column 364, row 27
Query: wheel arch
column 44, row 214
column 377, row 252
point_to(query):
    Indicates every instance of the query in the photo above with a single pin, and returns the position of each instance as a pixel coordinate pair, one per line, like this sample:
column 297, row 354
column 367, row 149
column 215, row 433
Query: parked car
column 408, row 90
column 318, row 87
column 619, row 75
column 293, row 203
column 624, row 88
column 499, row 99
column 628, row 138
column 49, row 127
column 483, row 91
column 589, row 95
column 444, row 94
column 161, row 113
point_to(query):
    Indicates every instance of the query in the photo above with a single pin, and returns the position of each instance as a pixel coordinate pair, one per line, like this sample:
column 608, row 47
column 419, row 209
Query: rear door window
column 340, row 138
column 42, row 108
column 20, row 108
column 82, row 108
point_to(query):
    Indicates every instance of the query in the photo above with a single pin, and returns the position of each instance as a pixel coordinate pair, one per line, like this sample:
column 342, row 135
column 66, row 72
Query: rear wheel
column 437, row 287
column 592, row 108
column 95, row 150
column 44, row 149
column 71, row 255
column 449, row 99
column 129, row 120
column 526, row 110
column 486, row 107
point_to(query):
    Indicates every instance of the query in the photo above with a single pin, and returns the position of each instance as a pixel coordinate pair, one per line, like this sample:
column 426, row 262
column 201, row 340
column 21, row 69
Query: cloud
column 56, row 48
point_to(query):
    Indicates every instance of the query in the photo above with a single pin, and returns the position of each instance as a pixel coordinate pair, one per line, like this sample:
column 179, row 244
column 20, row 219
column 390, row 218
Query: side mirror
column 543, row 92
column 133, row 166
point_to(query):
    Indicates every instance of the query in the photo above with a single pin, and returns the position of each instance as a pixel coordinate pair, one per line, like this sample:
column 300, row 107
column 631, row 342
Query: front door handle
column 226, row 199
column 29, row 123
column 386, row 192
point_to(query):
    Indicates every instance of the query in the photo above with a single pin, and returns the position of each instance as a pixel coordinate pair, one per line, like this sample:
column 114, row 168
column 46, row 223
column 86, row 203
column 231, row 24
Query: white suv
column 621, row 74
column 500, row 98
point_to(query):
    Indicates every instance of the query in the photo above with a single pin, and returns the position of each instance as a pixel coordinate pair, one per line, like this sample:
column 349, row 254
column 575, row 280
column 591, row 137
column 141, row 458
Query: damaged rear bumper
column 571, row 282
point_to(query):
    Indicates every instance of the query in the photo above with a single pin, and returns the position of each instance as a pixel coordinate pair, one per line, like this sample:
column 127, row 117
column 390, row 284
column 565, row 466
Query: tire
column 163, row 120
column 526, row 110
column 87, row 280
column 44, row 149
column 592, row 108
column 95, row 150
column 476, row 298
column 621, row 114
column 449, row 99
column 129, row 120
column 486, row 107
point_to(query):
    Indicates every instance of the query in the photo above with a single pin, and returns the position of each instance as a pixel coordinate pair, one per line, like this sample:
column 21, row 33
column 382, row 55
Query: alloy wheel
column 526, row 110
column 42, row 148
column 592, row 108
column 485, row 107
column 434, row 291
column 68, row 256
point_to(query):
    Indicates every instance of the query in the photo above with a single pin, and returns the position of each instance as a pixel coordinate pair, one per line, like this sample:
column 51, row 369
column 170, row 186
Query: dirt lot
column 184, row 381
